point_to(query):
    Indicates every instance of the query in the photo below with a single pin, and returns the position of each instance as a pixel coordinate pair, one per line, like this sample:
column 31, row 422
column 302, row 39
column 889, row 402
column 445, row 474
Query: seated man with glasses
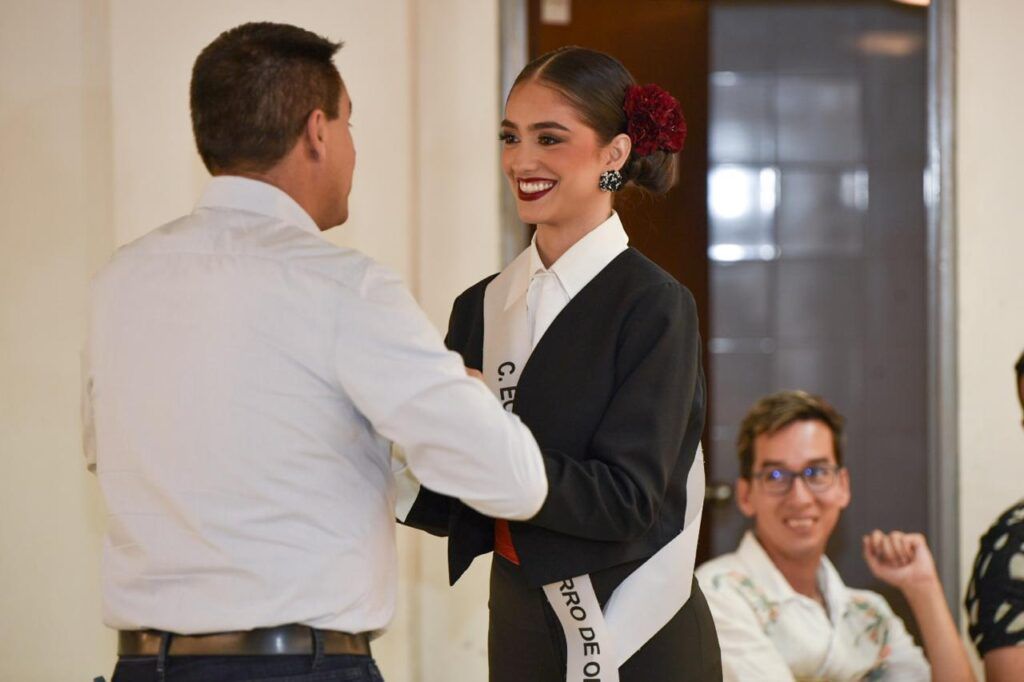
column 781, row 610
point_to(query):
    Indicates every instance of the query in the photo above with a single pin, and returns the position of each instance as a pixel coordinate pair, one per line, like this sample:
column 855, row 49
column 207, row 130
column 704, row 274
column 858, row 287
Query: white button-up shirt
column 550, row 289
column 242, row 377
column 767, row 631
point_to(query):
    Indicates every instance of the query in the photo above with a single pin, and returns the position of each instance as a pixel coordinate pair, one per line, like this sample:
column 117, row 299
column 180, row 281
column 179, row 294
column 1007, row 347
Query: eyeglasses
column 778, row 481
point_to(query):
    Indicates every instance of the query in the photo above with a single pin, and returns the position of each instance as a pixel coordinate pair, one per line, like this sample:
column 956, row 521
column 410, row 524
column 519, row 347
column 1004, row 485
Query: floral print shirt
column 995, row 595
column 767, row 631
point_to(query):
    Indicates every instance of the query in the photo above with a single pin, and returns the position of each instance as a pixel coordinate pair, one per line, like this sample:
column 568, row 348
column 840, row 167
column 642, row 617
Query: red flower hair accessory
column 654, row 120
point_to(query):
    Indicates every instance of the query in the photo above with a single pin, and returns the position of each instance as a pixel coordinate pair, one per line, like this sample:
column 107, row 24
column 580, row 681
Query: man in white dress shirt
column 243, row 380
column 780, row 607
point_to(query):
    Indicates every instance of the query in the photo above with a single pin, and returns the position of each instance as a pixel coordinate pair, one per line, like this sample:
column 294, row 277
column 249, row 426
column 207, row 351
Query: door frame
column 940, row 204
column 514, row 46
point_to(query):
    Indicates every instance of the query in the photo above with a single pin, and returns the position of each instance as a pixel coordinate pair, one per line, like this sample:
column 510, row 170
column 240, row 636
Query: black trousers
column 525, row 640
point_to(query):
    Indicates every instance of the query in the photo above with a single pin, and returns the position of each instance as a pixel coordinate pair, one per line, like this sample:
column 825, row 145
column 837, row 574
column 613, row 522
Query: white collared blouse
column 767, row 631
column 549, row 290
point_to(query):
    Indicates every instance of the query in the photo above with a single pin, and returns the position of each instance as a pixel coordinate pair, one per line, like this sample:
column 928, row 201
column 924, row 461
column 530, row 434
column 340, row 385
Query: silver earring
column 611, row 181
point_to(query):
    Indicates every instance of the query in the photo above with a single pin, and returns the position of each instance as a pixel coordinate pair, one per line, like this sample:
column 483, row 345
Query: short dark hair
column 253, row 89
column 595, row 84
column 1019, row 368
column 771, row 414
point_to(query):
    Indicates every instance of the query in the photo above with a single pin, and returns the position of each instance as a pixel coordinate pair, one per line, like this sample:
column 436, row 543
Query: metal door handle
column 718, row 493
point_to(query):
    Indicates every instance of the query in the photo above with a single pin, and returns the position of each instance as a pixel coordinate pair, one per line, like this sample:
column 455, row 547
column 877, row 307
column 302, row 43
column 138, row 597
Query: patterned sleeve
column 995, row 595
column 904, row 660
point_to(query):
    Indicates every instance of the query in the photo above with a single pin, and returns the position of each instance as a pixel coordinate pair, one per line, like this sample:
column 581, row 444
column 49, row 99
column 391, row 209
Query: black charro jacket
column 614, row 394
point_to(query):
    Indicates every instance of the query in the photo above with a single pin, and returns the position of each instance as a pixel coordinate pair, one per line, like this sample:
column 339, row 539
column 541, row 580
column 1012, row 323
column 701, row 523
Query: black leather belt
column 282, row 640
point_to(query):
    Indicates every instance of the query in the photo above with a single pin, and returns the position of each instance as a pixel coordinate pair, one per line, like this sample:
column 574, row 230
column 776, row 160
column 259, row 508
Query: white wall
column 158, row 174
column 54, row 229
column 990, row 262
column 458, row 152
column 457, row 81
column 97, row 150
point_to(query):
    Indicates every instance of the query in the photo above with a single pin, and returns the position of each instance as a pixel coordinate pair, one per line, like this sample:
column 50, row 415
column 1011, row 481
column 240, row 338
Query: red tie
column 503, row 541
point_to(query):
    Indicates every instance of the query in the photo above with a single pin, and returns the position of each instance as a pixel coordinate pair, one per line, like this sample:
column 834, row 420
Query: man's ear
column 315, row 135
column 844, row 488
column 743, row 489
column 617, row 151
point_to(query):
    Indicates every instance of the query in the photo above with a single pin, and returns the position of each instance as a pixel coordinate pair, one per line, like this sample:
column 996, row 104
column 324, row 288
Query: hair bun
column 654, row 172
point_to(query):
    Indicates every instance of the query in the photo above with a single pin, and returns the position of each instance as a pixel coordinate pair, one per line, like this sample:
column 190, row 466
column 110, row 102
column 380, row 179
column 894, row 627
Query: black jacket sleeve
column 430, row 512
column 616, row 492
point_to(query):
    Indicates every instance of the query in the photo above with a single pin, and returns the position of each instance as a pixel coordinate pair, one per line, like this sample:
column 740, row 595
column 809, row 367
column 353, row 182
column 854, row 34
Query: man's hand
column 475, row 373
column 902, row 560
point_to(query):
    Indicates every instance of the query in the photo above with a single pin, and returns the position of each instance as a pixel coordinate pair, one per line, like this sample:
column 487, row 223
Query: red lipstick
column 531, row 189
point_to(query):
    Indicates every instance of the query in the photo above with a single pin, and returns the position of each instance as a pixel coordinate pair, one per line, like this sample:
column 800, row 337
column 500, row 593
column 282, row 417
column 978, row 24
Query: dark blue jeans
column 249, row 669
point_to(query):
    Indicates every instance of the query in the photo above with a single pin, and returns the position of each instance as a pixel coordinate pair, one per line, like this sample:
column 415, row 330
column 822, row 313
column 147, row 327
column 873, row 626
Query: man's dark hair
column 774, row 412
column 254, row 87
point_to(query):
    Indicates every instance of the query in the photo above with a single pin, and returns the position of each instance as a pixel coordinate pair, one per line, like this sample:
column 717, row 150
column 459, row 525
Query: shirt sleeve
column 415, row 506
column 616, row 492
column 406, row 485
column 748, row 654
column 995, row 595
column 456, row 437
column 906, row 661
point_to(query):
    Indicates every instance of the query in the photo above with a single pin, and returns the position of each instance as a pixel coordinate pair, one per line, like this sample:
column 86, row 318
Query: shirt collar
column 255, row 196
column 587, row 257
column 770, row 579
column 832, row 587
column 763, row 571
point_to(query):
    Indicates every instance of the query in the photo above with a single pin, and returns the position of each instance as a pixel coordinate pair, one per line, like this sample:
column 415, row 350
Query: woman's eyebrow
column 547, row 125
column 543, row 125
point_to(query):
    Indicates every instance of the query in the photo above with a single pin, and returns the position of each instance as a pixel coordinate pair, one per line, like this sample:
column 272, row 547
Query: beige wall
column 990, row 262
column 149, row 79
column 55, row 228
column 457, row 181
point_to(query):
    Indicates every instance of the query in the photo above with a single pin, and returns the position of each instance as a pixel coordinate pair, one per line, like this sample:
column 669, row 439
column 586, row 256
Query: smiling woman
column 573, row 117
column 597, row 350
column 552, row 165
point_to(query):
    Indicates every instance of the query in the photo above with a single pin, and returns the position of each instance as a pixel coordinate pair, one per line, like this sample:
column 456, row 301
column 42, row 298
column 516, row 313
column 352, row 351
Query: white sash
column 597, row 643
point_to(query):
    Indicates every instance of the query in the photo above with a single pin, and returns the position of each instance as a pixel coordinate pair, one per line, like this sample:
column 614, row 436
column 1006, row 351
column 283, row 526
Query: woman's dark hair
column 595, row 84
column 1019, row 368
column 253, row 89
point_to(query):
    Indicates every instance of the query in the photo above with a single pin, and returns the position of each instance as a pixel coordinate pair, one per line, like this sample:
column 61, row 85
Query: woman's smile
column 531, row 189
